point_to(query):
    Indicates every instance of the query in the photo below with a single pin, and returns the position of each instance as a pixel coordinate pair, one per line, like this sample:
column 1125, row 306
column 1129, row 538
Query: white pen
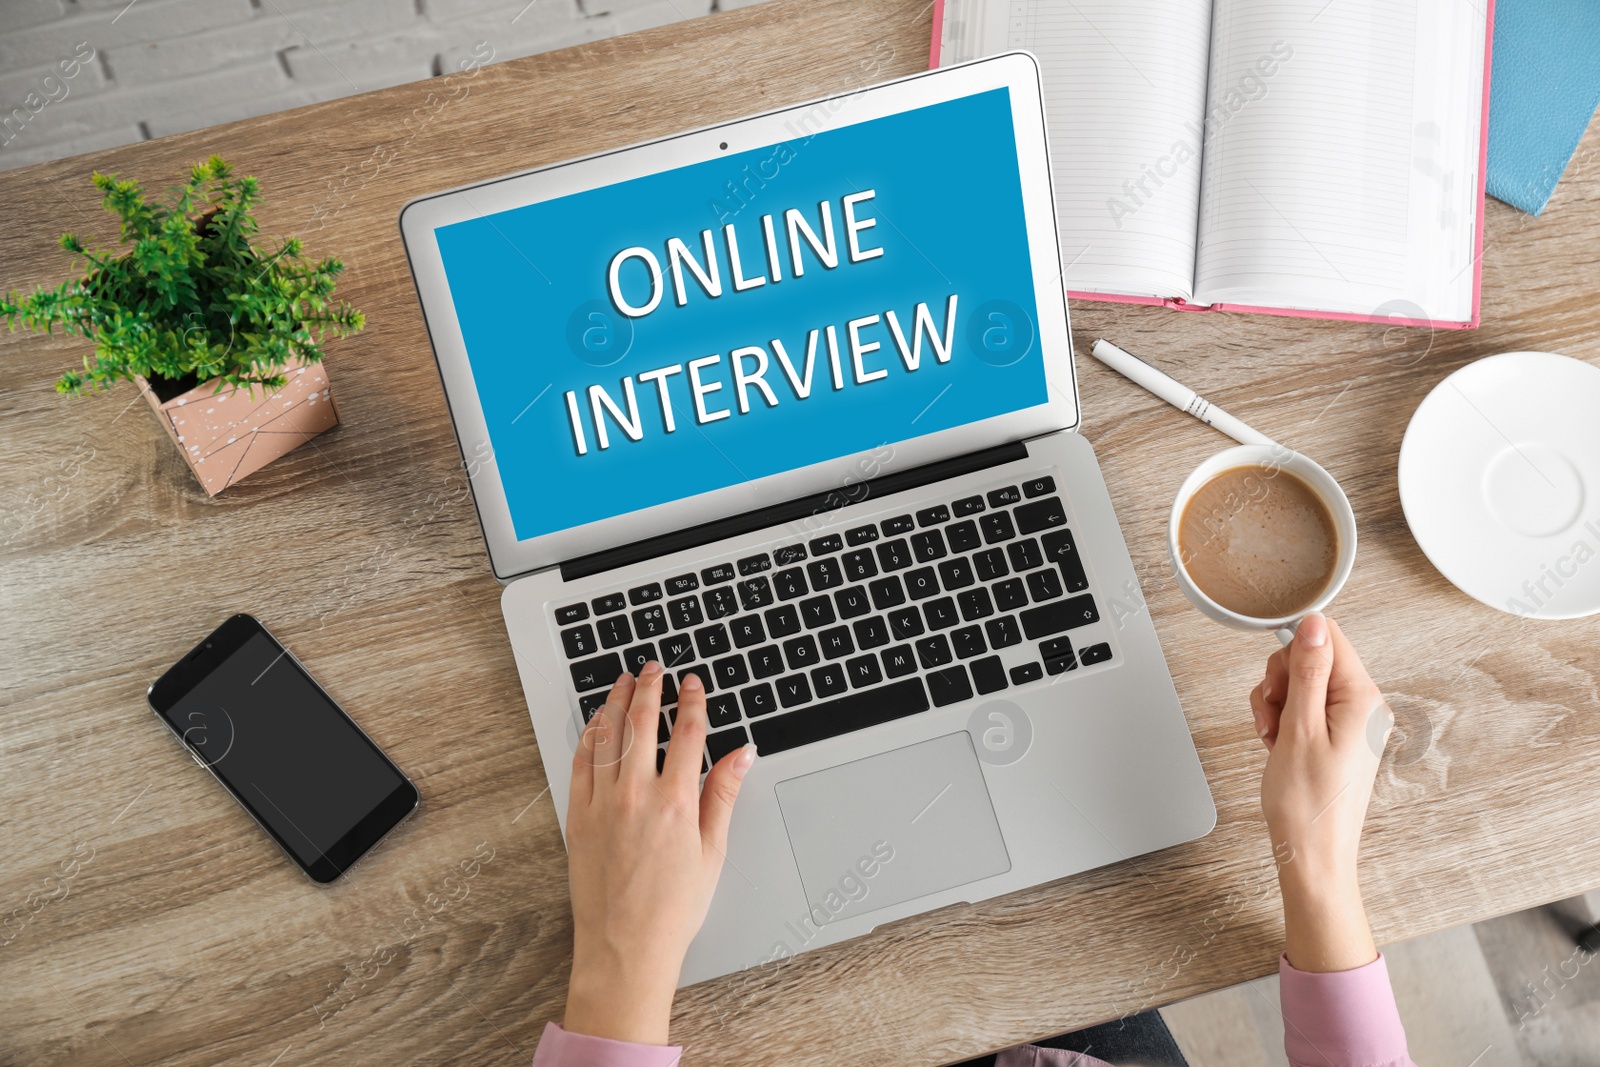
column 1175, row 393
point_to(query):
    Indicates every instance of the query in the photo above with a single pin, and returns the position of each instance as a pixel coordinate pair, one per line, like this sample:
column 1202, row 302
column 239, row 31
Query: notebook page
column 1344, row 175
column 1124, row 85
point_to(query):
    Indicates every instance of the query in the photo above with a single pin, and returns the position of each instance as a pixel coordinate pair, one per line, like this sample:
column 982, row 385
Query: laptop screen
column 702, row 327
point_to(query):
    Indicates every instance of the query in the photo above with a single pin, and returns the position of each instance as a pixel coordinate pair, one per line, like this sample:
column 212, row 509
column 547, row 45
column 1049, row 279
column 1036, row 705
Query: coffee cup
column 1260, row 555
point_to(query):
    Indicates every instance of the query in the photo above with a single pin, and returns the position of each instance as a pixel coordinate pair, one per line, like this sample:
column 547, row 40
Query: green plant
column 193, row 299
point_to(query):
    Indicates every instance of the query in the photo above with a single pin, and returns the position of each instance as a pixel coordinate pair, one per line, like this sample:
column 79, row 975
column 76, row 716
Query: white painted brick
column 647, row 16
column 145, row 62
column 74, row 118
column 370, row 63
column 458, row 57
column 289, row 7
column 87, row 79
column 510, row 31
column 687, row 9
column 343, row 20
column 180, row 65
column 114, row 8
column 517, row 47
column 20, row 14
column 146, row 20
column 269, row 32
column 516, row 17
column 155, row 61
column 164, row 124
column 513, row 41
column 16, row 155
column 450, row 10
column 514, row 32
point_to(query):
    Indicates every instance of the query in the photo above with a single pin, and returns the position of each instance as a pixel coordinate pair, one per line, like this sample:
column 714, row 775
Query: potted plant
column 222, row 337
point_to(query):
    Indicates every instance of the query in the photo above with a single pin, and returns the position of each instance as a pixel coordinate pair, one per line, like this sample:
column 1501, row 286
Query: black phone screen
column 291, row 756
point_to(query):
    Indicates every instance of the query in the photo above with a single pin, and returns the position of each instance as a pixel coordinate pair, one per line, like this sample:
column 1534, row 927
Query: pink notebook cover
column 1184, row 305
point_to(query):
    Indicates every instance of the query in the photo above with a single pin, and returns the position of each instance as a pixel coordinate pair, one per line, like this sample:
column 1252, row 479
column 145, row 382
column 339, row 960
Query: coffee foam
column 1259, row 541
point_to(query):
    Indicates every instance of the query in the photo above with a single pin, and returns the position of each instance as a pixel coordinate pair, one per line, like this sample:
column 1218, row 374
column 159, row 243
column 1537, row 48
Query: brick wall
column 81, row 75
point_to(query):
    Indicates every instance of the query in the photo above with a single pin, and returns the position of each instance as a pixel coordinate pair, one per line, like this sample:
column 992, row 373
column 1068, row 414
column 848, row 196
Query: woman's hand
column 1324, row 723
column 643, row 851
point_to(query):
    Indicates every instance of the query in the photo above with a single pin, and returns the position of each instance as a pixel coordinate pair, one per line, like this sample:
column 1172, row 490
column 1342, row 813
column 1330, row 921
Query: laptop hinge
column 789, row 511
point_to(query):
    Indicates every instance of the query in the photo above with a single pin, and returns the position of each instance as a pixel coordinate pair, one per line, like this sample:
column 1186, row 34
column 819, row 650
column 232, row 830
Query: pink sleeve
column 1342, row 1018
column 557, row 1048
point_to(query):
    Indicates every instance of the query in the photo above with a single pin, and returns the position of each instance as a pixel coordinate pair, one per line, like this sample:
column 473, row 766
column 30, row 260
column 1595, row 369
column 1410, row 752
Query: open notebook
column 1322, row 158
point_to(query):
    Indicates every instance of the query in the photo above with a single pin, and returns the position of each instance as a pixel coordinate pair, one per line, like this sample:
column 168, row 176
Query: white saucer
column 1500, row 482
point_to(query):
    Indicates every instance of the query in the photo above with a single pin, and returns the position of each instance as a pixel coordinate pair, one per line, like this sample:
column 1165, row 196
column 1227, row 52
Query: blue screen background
column 530, row 292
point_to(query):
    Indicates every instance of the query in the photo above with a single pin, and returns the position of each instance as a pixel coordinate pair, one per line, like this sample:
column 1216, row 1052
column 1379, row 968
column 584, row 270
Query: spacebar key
column 834, row 717
column 1047, row 619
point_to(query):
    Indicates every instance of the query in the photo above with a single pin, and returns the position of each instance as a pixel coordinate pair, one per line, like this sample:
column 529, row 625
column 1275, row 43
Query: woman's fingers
column 644, row 712
column 1353, row 697
column 686, row 751
column 1266, row 714
column 716, row 799
column 582, row 788
column 602, row 743
column 1310, row 664
column 1276, row 681
column 1266, row 699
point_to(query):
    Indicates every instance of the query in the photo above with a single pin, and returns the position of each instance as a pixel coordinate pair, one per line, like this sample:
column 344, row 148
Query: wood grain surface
column 151, row 922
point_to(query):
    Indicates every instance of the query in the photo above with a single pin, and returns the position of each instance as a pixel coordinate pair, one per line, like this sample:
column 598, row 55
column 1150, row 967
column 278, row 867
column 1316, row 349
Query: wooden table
column 183, row 936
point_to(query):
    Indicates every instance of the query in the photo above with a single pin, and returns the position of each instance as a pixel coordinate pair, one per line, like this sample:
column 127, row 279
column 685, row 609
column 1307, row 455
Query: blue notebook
column 1545, row 87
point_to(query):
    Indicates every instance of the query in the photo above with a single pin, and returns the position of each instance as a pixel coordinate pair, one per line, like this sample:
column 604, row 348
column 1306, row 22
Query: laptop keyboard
column 819, row 638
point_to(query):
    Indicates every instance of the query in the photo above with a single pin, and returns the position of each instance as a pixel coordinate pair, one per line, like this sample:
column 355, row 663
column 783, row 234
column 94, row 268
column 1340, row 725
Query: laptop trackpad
column 892, row 827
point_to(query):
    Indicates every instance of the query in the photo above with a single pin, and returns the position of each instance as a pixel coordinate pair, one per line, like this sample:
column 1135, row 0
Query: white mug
column 1275, row 457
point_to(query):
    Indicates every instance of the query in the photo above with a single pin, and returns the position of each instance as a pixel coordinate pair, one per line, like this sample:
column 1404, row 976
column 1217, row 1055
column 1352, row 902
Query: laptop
column 790, row 403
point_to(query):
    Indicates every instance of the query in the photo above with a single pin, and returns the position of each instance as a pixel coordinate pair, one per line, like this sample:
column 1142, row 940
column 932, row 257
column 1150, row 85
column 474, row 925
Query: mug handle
column 1286, row 633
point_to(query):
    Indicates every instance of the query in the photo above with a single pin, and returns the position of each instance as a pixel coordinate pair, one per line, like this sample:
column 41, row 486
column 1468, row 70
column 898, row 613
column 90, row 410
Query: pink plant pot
column 228, row 434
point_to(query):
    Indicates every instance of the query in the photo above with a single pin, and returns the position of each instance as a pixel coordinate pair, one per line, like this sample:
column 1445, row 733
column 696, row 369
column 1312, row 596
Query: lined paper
column 1311, row 195
column 1124, row 86
column 1329, row 148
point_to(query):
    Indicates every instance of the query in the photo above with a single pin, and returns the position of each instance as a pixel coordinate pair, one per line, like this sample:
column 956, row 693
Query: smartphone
column 249, row 712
